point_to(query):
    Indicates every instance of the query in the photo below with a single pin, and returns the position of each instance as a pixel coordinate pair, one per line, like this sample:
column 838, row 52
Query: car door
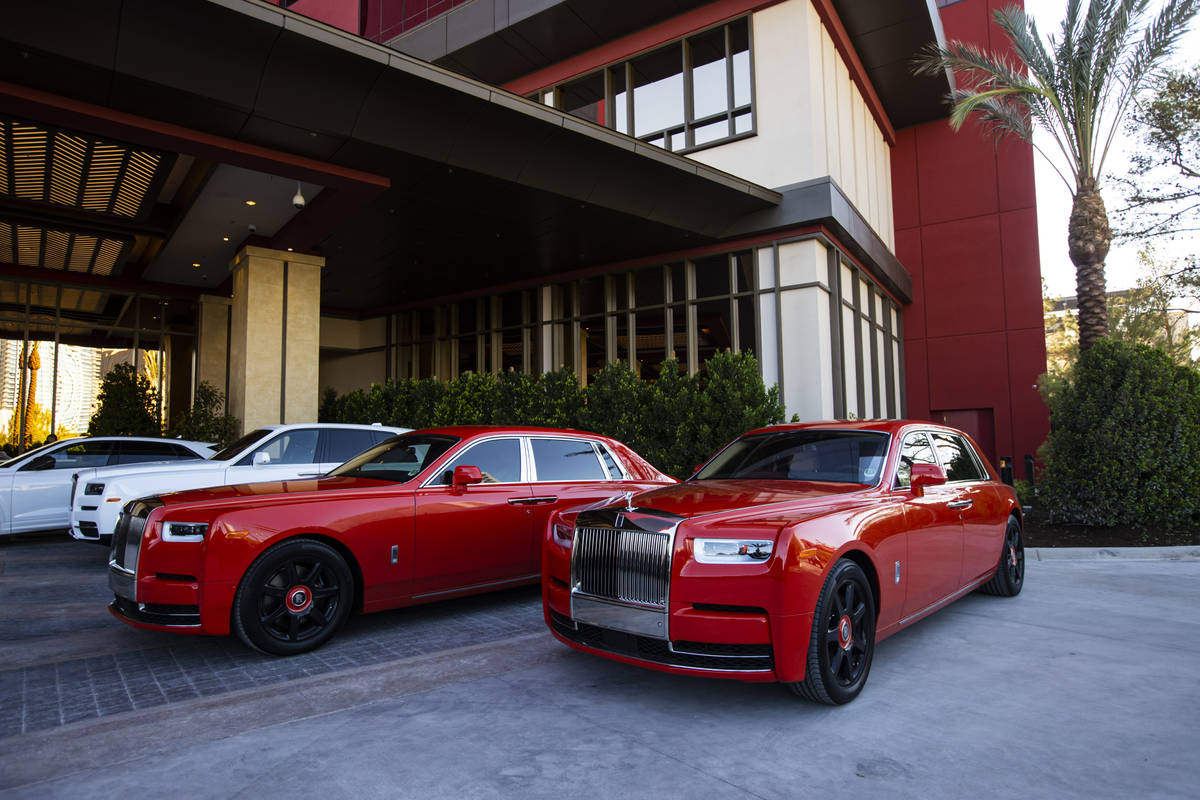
column 982, row 513
column 570, row 471
column 291, row 453
column 478, row 534
column 935, row 532
column 41, row 493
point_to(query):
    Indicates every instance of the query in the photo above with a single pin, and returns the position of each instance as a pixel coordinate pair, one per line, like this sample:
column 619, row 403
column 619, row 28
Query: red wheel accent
column 299, row 599
column 845, row 632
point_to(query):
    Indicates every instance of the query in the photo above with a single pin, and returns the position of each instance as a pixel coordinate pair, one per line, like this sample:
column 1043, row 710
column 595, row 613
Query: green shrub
column 204, row 421
column 128, row 405
column 675, row 423
column 1124, row 439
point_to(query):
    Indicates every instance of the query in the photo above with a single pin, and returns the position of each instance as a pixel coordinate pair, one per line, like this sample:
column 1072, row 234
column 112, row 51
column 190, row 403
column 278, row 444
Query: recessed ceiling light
column 195, row 264
column 224, row 238
column 251, row 203
column 289, row 249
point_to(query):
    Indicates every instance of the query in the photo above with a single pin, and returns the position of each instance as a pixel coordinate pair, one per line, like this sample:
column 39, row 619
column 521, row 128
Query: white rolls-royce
column 272, row 453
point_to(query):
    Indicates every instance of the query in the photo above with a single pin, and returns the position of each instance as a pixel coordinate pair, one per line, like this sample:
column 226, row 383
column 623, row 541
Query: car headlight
column 184, row 531
column 732, row 551
column 94, row 488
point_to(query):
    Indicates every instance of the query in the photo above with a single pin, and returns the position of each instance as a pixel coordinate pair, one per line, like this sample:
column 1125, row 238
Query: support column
column 212, row 343
column 804, row 329
column 274, row 337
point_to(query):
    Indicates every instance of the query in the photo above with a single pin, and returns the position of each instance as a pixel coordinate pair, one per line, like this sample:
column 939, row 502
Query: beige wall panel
column 353, row 334
column 303, row 337
column 211, row 348
column 819, row 109
column 346, row 372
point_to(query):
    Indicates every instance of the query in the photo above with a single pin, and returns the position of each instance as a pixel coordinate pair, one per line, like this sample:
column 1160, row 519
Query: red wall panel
column 966, row 229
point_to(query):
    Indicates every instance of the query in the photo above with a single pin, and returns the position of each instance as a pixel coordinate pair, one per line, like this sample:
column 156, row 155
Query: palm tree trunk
column 1088, row 238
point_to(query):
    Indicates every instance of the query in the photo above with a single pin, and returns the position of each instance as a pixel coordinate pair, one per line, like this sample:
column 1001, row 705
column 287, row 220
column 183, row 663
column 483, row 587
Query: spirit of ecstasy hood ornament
column 629, row 501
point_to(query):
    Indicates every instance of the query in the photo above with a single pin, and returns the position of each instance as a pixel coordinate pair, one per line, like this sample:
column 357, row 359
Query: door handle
column 530, row 501
column 961, row 504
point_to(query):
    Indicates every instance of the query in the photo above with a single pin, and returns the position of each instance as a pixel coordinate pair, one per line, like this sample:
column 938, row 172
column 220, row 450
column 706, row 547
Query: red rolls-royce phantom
column 420, row 517
column 787, row 556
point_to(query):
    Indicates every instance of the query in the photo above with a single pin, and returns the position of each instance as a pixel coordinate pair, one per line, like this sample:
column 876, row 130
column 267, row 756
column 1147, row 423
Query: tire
column 1010, row 572
column 842, row 643
column 293, row 598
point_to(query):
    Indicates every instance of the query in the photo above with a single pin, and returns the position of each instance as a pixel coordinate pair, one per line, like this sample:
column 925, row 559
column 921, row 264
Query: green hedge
column 675, row 422
column 1124, row 444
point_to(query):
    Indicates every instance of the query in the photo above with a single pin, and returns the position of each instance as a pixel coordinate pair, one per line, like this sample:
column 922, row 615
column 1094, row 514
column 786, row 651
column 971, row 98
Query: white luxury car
column 35, row 488
column 273, row 453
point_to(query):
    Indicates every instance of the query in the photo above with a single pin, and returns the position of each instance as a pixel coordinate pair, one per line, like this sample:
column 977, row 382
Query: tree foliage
column 675, row 422
column 1124, row 433
column 206, row 421
column 128, row 405
column 1078, row 88
column 1162, row 190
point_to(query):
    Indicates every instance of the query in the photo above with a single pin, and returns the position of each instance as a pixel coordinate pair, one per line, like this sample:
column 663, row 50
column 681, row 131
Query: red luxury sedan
column 422, row 516
column 786, row 556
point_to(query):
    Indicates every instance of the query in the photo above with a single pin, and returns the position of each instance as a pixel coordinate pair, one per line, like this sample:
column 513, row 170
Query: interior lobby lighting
column 251, row 203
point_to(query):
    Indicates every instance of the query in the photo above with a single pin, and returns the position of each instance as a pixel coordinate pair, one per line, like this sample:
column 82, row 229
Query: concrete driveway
column 1083, row 686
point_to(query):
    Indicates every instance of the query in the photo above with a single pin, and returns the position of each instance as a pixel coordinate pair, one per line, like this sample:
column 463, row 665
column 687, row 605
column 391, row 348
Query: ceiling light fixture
column 224, row 238
column 251, row 203
column 195, row 264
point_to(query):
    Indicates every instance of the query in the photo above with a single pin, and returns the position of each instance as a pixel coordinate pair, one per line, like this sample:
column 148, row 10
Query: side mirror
column 464, row 476
column 924, row 475
column 262, row 457
column 39, row 463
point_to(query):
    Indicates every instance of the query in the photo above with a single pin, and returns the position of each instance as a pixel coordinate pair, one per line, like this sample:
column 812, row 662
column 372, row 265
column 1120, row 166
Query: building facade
column 530, row 185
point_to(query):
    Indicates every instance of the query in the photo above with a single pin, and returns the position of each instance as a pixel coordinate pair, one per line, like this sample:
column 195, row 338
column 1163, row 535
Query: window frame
column 535, row 478
column 433, row 480
column 966, row 445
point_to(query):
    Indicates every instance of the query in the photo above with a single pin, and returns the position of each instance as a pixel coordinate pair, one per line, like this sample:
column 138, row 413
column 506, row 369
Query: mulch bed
column 1040, row 533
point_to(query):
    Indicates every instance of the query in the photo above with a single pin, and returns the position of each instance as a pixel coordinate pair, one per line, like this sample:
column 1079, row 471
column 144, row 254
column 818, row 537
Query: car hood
column 696, row 498
column 151, row 468
column 269, row 488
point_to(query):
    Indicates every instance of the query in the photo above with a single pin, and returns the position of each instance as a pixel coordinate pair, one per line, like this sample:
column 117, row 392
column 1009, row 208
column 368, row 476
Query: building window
column 690, row 94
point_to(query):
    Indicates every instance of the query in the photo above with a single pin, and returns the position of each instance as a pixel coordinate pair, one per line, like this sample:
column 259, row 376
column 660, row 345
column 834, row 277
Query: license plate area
column 603, row 613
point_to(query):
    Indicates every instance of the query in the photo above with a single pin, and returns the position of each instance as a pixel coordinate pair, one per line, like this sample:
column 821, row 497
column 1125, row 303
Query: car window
column 241, row 444
column 399, row 459
column 138, row 452
column 343, row 444
column 498, row 459
column 77, row 456
column 566, row 460
column 290, row 447
column 614, row 469
column 955, row 455
column 831, row 456
column 915, row 450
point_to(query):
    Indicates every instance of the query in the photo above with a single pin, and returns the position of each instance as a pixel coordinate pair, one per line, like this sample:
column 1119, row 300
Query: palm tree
column 1078, row 88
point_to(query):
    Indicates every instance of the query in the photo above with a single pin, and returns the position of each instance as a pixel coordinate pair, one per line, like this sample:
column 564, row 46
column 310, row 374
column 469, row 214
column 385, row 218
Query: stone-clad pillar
column 274, row 337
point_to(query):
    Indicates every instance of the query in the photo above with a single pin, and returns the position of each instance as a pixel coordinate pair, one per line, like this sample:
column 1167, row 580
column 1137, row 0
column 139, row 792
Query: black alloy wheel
column 842, row 643
column 1010, row 572
column 293, row 598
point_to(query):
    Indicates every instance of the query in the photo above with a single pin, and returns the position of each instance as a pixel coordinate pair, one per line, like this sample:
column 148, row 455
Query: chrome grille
column 630, row 566
column 127, row 537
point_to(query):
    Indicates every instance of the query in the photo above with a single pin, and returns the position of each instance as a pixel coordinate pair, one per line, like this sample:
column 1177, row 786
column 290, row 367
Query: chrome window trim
column 625, row 474
column 438, row 470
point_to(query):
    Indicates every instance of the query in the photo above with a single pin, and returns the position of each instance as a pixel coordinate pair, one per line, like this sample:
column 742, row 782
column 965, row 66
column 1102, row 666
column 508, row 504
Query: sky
column 1054, row 198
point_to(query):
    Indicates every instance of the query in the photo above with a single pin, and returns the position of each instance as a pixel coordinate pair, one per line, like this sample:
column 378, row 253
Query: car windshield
column 802, row 455
column 399, row 459
column 240, row 445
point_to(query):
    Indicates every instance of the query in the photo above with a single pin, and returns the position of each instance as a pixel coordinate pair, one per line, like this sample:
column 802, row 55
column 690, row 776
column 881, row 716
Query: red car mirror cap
column 465, row 475
column 924, row 475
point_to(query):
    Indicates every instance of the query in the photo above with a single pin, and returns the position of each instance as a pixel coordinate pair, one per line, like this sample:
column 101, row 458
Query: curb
column 1180, row 553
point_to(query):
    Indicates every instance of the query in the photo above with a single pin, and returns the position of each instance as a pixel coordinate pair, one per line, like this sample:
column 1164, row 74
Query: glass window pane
column 498, row 459
column 678, row 287
column 916, row 450
column 648, row 289
column 744, row 271
column 956, row 459
column 712, row 275
column 77, row 456
column 712, row 322
column 466, row 317
column 566, row 460
column 343, row 445
column 710, row 132
column 747, row 324
column 743, row 123
column 620, row 111
column 651, row 341
column 710, row 94
column 292, row 447
column 141, row 452
column 739, row 36
column 591, row 334
column 584, row 98
column 658, row 90
column 591, row 296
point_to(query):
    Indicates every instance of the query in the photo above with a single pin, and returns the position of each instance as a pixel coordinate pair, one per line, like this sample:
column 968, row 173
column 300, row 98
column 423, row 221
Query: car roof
column 356, row 426
column 467, row 431
column 891, row 426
